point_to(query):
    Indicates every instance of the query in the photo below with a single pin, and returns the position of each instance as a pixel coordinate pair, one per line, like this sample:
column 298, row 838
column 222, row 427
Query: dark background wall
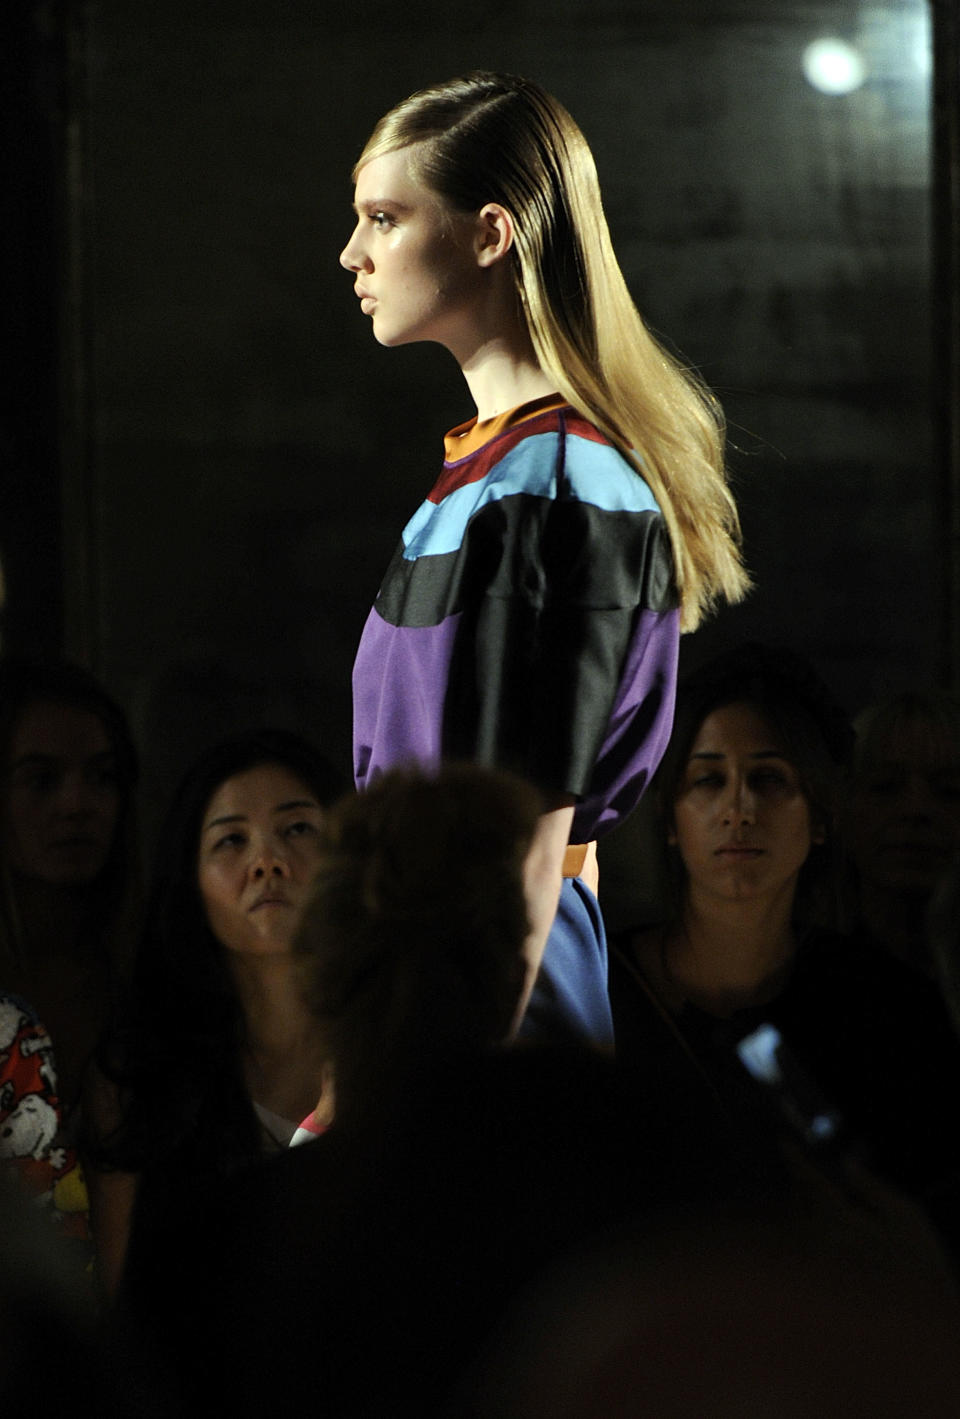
column 215, row 459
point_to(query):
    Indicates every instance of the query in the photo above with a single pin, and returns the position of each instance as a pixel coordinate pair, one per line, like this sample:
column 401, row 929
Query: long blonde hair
column 499, row 138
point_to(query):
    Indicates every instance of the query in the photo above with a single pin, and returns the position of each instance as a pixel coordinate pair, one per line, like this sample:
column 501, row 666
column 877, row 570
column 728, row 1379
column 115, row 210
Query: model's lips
column 367, row 304
column 738, row 850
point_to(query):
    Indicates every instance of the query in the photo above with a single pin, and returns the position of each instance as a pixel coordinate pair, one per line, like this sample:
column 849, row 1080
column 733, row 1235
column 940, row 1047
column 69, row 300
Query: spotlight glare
column 833, row 66
column 922, row 56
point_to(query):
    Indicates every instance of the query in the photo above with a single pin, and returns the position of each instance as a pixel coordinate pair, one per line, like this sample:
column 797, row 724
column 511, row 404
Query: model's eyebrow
column 377, row 204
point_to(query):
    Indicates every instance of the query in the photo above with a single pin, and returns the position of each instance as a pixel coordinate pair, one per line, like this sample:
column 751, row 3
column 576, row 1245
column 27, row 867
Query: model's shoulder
column 597, row 472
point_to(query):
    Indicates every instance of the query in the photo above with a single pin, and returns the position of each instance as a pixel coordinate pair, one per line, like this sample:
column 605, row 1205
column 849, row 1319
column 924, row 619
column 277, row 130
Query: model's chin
column 387, row 337
column 392, row 337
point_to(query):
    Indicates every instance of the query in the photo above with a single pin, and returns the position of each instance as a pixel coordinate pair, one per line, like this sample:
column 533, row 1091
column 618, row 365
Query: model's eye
column 381, row 220
column 234, row 839
column 300, row 829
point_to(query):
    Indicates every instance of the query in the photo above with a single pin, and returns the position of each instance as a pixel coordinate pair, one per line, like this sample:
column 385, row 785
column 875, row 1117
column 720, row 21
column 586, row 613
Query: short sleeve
column 582, row 602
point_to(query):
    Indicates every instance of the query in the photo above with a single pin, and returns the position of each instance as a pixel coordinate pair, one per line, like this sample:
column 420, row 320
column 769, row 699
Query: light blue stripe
column 595, row 473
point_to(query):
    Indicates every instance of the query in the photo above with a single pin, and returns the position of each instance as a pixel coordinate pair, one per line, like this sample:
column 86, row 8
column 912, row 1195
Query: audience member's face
column 257, row 856
column 742, row 823
column 905, row 811
column 64, row 798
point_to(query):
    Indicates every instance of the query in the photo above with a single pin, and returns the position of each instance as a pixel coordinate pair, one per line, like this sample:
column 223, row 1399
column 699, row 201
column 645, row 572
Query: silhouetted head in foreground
column 411, row 945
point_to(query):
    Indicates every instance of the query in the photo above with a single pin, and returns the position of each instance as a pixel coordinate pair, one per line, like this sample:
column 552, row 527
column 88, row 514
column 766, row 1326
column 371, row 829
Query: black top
column 873, row 1035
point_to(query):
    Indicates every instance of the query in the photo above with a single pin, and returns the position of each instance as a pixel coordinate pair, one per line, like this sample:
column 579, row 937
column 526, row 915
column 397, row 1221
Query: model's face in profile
column 905, row 810
column 258, row 852
column 416, row 272
column 64, row 799
column 742, row 822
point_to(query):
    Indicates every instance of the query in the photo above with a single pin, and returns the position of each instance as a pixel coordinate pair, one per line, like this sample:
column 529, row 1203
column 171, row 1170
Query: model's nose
column 352, row 257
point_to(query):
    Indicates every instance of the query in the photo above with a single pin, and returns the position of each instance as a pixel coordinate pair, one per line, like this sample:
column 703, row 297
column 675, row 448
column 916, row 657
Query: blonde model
column 531, row 614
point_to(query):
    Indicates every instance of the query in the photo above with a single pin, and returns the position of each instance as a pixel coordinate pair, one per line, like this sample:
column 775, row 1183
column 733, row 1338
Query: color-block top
column 528, row 619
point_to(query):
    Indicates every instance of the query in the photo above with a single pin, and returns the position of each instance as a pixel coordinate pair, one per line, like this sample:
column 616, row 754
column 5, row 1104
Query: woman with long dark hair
column 750, row 795
column 214, row 1061
column 68, row 884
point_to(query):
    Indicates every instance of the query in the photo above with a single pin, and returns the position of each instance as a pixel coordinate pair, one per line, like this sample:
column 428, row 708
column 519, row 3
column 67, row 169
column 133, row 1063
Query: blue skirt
column 570, row 1000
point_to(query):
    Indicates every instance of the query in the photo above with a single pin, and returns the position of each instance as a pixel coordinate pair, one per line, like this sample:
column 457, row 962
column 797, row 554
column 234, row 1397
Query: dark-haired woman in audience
column 749, row 796
column 67, row 886
column 215, row 1061
column 68, row 901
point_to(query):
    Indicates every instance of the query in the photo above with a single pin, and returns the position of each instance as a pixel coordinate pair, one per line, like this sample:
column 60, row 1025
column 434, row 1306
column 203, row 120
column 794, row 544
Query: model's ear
column 494, row 234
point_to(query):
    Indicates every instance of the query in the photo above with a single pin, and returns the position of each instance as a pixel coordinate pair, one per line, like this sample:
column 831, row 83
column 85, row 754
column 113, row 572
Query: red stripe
column 475, row 466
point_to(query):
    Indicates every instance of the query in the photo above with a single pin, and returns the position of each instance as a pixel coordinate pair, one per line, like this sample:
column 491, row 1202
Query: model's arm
column 543, row 877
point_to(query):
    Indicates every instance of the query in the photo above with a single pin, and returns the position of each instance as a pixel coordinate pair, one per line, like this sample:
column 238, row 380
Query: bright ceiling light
column 833, row 66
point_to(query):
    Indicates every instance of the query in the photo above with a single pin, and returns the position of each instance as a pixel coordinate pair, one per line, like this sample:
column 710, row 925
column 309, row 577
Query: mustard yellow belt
column 573, row 859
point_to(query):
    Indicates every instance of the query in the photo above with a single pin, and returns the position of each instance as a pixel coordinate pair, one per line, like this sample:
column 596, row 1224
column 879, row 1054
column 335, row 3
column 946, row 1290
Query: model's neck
column 500, row 378
column 497, row 355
